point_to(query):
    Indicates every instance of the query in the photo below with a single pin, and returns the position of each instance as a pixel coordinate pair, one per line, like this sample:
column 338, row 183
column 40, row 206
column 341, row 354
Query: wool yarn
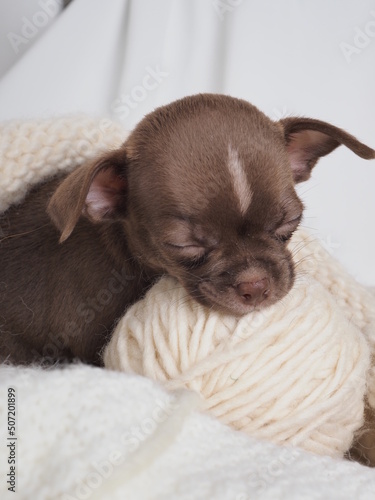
column 355, row 301
column 33, row 150
column 294, row 373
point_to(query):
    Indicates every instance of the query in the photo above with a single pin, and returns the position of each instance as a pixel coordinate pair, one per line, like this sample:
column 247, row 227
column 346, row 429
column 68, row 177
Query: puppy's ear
column 307, row 140
column 96, row 189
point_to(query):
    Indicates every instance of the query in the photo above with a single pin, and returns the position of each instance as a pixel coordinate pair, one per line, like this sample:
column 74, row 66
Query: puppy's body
column 203, row 189
column 61, row 301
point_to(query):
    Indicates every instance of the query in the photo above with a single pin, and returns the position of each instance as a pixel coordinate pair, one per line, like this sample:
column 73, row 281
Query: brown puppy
column 203, row 189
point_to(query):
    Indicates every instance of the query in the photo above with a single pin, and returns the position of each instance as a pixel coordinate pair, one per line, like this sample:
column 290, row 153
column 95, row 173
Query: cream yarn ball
column 294, row 373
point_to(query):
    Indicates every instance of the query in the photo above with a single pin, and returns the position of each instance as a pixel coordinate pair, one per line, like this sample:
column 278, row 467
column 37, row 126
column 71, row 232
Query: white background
column 287, row 57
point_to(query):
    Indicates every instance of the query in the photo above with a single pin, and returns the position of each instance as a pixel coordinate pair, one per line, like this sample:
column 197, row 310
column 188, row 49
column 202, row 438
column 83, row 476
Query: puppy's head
column 204, row 189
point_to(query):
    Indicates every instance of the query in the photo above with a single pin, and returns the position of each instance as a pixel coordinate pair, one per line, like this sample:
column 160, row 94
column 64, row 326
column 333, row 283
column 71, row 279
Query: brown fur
column 80, row 249
column 363, row 449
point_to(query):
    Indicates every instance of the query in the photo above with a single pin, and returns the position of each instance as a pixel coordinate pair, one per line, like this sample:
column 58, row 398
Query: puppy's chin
column 229, row 302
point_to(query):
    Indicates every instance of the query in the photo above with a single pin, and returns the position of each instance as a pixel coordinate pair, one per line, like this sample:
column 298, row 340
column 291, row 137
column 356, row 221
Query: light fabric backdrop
column 122, row 58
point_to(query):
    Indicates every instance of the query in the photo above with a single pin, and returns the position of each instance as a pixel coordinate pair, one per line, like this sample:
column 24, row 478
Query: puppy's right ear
column 307, row 140
column 96, row 189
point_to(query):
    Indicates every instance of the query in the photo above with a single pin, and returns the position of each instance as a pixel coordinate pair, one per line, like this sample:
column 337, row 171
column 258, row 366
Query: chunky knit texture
column 86, row 433
column 32, row 151
column 294, row 373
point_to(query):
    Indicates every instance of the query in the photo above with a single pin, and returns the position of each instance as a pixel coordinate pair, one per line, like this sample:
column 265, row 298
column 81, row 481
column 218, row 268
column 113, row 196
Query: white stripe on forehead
column 239, row 180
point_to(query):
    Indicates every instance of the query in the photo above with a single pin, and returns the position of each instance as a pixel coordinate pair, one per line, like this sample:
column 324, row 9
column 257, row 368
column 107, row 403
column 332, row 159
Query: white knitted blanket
column 84, row 432
column 87, row 433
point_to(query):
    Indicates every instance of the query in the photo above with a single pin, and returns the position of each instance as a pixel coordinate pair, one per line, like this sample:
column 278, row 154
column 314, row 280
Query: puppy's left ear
column 307, row 140
column 96, row 190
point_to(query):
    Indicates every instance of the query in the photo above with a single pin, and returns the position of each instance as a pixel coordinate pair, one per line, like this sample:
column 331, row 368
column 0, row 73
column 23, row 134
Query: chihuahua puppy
column 203, row 189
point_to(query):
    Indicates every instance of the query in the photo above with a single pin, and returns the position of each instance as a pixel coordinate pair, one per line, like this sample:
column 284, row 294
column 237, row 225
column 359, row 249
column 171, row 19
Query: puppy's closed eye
column 187, row 240
column 188, row 250
column 285, row 231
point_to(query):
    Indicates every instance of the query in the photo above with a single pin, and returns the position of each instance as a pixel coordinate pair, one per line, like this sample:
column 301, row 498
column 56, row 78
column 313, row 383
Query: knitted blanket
column 90, row 433
column 87, row 433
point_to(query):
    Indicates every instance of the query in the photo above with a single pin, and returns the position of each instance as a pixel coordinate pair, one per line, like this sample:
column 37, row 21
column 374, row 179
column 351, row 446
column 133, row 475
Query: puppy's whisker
column 19, row 235
column 302, row 260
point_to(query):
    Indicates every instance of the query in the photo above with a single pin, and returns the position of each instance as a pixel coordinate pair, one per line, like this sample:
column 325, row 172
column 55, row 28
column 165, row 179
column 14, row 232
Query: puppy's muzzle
column 254, row 292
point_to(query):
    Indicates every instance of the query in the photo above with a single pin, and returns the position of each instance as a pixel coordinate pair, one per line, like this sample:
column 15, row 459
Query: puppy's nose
column 254, row 292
